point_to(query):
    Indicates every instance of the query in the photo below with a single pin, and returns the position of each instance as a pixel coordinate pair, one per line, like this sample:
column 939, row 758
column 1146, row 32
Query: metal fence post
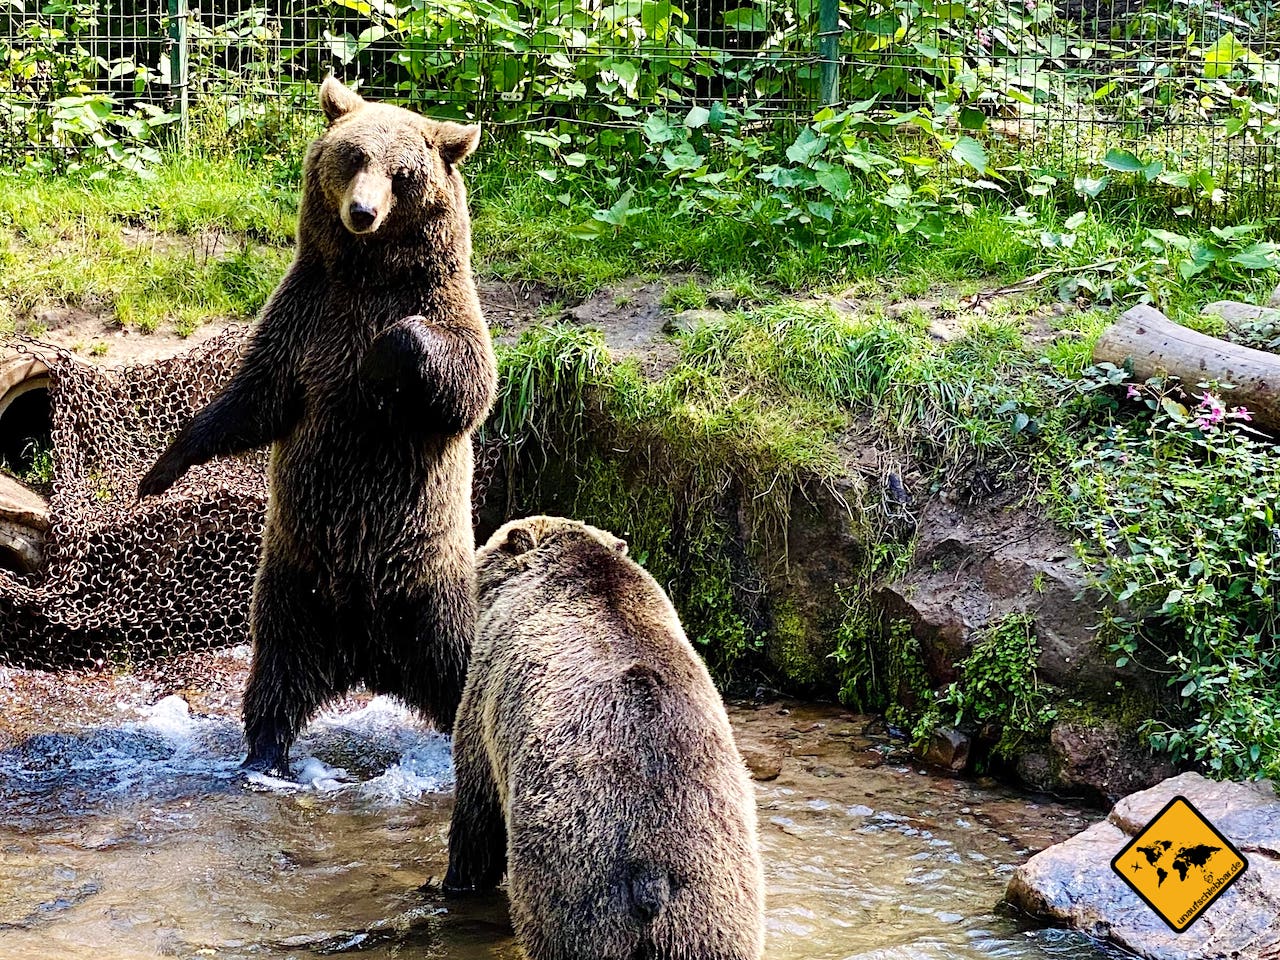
column 829, row 49
column 178, row 62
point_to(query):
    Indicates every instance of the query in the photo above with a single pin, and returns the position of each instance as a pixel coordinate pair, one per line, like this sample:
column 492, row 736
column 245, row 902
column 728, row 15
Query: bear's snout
column 366, row 202
column 361, row 215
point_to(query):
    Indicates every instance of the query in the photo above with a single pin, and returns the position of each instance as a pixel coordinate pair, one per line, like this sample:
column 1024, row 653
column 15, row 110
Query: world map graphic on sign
column 1179, row 864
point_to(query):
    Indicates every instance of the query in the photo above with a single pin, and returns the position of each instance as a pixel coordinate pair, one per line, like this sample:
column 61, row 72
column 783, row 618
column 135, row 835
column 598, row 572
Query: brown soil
column 92, row 332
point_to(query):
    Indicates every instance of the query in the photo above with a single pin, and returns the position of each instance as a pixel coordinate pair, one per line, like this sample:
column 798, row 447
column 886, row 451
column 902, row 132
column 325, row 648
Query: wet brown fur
column 367, row 373
column 595, row 762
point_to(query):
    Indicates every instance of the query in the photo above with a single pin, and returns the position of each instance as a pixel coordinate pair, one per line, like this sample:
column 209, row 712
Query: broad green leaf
column 1175, row 240
column 825, row 211
column 1175, row 179
column 627, row 72
column 933, row 226
column 1257, row 256
column 588, row 230
column 656, row 129
column 836, row 181
column 746, row 18
column 806, row 146
column 1124, row 161
column 1220, row 58
column 698, row 117
column 1091, row 187
column 655, row 18
column 617, row 214
column 971, row 153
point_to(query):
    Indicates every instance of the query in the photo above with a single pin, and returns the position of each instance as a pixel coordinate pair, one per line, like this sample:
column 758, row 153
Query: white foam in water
column 168, row 743
column 424, row 766
column 171, row 718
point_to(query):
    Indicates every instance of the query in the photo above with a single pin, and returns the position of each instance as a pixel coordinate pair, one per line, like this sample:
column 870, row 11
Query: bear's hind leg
column 433, row 635
column 295, row 664
column 478, row 830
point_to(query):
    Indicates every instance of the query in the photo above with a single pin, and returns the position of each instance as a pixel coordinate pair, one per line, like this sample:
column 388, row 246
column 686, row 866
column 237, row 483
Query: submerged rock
column 763, row 760
column 946, row 749
column 1073, row 883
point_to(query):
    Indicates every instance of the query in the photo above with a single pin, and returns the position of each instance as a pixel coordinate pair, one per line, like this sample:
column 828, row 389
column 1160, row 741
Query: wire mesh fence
column 1190, row 85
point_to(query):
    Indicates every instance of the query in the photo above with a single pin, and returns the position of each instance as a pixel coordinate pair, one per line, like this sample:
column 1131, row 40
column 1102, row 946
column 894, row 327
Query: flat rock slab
column 1072, row 882
column 1233, row 311
column 21, row 504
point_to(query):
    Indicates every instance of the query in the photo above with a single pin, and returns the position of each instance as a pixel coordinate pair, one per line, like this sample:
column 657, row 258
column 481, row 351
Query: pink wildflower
column 1241, row 413
column 1133, row 392
column 1214, row 410
column 984, row 40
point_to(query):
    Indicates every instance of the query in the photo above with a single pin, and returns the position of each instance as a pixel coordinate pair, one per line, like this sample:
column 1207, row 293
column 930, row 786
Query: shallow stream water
column 127, row 831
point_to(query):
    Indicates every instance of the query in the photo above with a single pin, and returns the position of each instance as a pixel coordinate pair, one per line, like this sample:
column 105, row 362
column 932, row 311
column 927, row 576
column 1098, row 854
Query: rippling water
column 127, row 831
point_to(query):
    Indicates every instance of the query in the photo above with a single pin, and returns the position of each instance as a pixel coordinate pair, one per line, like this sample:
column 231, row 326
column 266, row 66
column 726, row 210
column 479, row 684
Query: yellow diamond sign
column 1179, row 864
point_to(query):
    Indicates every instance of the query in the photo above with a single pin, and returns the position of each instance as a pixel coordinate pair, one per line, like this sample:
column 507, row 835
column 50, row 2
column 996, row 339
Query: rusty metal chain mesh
column 126, row 580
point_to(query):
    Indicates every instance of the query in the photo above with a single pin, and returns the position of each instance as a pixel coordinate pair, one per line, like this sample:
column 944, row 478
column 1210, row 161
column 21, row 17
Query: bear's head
column 383, row 170
column 532, row 542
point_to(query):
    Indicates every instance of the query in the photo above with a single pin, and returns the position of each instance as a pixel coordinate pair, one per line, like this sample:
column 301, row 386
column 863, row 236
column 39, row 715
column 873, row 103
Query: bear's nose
column 362, row 215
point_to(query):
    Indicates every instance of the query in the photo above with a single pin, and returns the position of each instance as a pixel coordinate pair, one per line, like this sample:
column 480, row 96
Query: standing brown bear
column 596, row 764
column 368, row 371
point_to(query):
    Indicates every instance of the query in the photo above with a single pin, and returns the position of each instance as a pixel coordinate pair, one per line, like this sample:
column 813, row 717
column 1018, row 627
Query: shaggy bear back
column 595, row 758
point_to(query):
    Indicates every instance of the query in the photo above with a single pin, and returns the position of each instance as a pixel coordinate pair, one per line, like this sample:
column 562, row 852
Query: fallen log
column 1159, row 347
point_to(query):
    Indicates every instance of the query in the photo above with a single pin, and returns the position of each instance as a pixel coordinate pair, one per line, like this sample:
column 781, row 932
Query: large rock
column 1096, row 760
column 946, row 749
column 1072, row 882
column 974, row 566
column 1233, row 311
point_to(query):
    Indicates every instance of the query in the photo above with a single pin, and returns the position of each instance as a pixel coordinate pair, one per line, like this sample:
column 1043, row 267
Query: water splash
column 379, row 752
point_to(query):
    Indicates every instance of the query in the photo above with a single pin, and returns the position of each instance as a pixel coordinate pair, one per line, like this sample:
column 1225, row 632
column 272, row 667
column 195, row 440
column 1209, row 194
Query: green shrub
column 997, row 685
column 1178, row 512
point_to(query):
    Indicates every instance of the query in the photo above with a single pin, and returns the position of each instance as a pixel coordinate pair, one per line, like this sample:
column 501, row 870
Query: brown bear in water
column 596, row 764
column 368, row 371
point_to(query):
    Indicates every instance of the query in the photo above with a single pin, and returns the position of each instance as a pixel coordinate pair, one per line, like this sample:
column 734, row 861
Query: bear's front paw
column 389, row 364
column 163, row 475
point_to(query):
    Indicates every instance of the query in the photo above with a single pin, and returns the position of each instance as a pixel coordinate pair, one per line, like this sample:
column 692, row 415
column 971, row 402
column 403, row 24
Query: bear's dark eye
column 354, row 159
column 403, row 175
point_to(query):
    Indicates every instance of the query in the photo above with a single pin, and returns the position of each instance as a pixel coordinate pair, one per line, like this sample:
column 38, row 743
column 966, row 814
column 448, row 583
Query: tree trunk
column 1159, row 347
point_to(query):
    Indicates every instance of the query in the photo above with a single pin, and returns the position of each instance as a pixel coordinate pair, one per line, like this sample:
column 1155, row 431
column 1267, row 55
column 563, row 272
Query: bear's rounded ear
column 620, row 546
column 457, row 142
column 337, row 100
column 517, row 541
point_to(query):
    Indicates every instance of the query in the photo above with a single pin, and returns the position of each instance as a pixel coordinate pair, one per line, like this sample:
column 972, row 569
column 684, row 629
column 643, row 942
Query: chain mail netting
column 124, row 580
